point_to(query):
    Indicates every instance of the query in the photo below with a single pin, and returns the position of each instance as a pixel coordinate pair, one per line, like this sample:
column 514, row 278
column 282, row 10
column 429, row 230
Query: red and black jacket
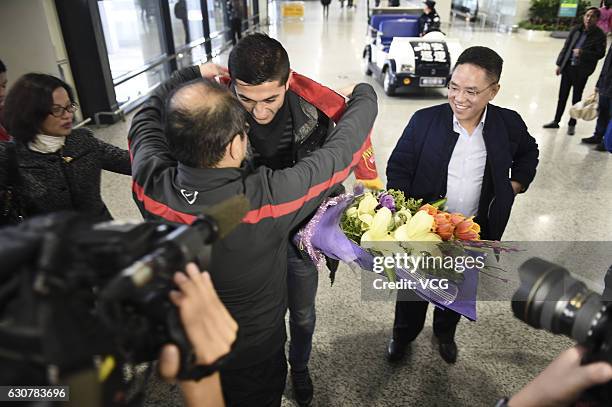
column 248, row 267
column 333, row 106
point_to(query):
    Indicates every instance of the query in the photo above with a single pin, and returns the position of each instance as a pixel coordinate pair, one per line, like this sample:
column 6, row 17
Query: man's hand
column 210, row 329
column 209, row 70
column 558, row 71
column 517, row 187
column 562, row 382
column 347, row 91
column 577, row 52
column 209, row 326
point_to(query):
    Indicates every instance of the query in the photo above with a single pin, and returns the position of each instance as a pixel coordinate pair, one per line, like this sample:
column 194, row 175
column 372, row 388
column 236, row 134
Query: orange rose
column 443, row 225
column 467, row 230
column 456, row 218
column 432, row 210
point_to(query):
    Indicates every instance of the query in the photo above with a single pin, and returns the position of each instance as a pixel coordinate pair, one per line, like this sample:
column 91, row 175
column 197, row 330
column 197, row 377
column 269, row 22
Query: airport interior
column 114, row 53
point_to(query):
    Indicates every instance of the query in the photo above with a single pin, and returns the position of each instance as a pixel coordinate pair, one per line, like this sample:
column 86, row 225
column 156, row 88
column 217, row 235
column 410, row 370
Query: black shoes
column 396, row 350
column 591, row 140
column 448, row 351
column 571, row 130
column 600, row 147
column 551, row 125
column 302, row 387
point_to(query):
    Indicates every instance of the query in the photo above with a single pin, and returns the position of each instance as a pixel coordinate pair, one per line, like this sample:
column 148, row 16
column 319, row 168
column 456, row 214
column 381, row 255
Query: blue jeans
column 302, row 282
column 605, row 114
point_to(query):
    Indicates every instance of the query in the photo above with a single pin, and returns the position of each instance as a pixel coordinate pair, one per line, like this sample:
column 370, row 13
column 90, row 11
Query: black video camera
column 550, row 298
column 77, row 296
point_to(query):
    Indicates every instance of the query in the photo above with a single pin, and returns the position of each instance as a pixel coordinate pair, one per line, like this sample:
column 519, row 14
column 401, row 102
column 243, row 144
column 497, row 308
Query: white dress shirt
column 466, row 169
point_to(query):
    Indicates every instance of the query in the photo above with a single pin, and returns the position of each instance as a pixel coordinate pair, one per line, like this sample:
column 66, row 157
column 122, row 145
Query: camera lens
column 550, row 298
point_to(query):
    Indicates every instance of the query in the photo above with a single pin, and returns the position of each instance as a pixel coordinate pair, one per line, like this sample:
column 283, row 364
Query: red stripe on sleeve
column 276, row 211
column 160, row 209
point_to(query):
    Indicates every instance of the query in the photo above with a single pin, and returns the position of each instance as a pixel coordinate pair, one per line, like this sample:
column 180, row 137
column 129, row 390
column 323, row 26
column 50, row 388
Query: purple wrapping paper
column 322, row 237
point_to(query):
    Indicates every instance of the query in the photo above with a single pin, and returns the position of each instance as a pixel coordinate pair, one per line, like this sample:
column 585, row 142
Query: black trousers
column 575, row 77
column 410, row 312
column 260, row 385
column 236, row 28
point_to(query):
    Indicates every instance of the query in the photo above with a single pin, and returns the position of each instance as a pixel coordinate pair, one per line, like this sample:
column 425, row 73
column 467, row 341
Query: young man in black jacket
column 196, row 162
column 284, row 128
column 585, row 45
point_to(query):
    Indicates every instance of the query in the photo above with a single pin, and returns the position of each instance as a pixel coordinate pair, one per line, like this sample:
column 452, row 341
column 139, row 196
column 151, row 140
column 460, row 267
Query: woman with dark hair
column 3, row 81
column 58, row 168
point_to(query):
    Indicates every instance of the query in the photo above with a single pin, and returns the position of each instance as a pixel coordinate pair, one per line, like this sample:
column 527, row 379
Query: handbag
column 586, row 109
column 11, row 211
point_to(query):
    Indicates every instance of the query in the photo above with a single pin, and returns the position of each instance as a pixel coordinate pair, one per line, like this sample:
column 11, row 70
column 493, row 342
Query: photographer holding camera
column 210, row 329
column 79, row 304
column 562, row 382
column 550, row 298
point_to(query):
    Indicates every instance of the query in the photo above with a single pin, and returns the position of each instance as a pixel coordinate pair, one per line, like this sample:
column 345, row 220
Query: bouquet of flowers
column 357, row 227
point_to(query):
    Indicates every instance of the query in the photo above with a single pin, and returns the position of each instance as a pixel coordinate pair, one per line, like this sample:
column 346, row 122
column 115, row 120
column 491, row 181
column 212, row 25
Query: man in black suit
column 478, row 156
column 585, row 45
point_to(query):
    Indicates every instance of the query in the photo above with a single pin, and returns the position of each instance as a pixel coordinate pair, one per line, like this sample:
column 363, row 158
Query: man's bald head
column 202, row 118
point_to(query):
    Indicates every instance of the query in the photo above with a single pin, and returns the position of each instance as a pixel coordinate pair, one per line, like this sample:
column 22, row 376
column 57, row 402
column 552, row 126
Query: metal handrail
column 132, row 74
column 82, row 123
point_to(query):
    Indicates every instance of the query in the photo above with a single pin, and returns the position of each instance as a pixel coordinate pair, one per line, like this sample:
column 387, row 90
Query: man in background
column 604, row 90
column 585, row 45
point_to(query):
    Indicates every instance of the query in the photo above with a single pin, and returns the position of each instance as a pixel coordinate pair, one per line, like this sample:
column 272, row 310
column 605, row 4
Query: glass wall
column 133, row 36
column 218, row 23
column 146, row 39
column 187, row 27
column 187, row 24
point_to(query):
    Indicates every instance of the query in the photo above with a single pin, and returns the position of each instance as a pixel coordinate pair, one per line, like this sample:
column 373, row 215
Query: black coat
column 248, row 267
column 593, row 49
column 604, row 83
column 66, row 180
column 429, row 22
column 419, row 163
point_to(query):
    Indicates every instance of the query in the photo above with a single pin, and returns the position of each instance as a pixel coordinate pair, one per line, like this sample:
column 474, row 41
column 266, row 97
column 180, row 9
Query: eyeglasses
column 470, row 93
column 58, row 111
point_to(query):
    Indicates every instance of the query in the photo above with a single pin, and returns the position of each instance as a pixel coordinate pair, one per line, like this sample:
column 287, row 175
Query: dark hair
column 29, row 102
column 484, row 58
column 258, row 58
column 595, row 9
column 198, row 131
column 2, row 67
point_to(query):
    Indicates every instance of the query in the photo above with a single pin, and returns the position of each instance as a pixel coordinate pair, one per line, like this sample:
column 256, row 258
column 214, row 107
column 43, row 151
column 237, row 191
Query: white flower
column 368, row 204
column 379, row 226
column 418, row 229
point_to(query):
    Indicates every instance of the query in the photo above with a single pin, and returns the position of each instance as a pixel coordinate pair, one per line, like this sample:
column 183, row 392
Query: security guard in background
column 429, row 20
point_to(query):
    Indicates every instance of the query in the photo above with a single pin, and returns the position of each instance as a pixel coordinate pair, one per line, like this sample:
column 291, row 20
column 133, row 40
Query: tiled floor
column 570, row 199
